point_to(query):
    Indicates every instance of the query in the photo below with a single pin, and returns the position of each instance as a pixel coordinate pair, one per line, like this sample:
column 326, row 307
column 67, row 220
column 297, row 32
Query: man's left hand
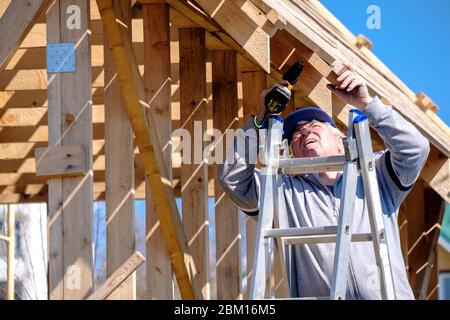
column 351, row 88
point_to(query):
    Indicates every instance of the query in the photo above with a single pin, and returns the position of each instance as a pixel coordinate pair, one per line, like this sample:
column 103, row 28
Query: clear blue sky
column 413, row 41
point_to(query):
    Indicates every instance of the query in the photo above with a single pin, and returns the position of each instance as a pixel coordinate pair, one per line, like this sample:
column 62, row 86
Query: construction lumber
column 240, row 27
column 270, row 23
column 425, row 103
column 253, row 83
column 145, row 130
column 157, row 81
column 61, row 161
column 118, row 277
column 285, row 50
column 194, row 174
column 119, row 171
column 430, row 273
column 225, row 116
column 363, row 42
column 70, row 199
column 15, row 23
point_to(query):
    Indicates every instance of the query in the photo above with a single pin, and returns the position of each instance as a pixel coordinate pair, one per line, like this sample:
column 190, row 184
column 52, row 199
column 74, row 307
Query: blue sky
column 413, row 41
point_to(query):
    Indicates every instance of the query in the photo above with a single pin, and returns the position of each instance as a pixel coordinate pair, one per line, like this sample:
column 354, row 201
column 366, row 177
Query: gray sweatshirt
column 310, row 203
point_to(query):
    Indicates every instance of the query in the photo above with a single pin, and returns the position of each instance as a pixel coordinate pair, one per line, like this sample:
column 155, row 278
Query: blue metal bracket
column 61, row 57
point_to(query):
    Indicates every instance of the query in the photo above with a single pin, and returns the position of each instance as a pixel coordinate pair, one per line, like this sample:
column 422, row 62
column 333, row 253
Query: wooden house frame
column 145, row 68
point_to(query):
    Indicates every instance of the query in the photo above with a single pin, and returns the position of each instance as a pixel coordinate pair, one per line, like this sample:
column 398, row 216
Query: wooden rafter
column 144, row 129
column 239, row 26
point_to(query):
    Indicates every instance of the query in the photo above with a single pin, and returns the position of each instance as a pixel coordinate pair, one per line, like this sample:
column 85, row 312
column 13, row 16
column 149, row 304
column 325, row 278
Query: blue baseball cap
column 304, row 115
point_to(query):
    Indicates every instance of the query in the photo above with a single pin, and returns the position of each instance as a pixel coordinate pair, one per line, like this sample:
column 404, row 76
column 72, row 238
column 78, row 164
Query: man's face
column 315, row 139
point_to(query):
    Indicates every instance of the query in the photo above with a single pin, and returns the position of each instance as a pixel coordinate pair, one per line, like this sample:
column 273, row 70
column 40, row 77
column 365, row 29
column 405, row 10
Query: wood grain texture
column 118, row 277
column 241, row 28
column 71, row 204
column 158, row 81
column 194, row 176
column 225, row 115
column 61, row 161
column 119, row 171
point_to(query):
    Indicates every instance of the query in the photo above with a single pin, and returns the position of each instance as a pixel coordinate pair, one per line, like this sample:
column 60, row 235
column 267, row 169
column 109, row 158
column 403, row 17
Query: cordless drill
column 276, row 100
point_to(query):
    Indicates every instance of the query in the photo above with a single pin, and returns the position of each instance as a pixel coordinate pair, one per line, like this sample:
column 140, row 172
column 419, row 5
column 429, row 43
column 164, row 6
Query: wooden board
column 70, row 199
column 225, row 115
column 119, row 173
column 118, row 277
column 240, row 27
column 157, row 80
column 194, row 176
column 61, row 161
column 252, row 85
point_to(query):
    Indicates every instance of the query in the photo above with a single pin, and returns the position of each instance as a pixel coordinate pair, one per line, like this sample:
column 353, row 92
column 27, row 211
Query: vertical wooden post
column 194, row 176
column 253, row 83
column 70, row 122
column 119, row 171
column 157, row 81
column 225, row 115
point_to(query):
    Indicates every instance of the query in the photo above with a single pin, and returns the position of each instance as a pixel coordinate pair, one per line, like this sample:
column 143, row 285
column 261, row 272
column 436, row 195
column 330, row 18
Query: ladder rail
column 376, row 217
column 345, row 219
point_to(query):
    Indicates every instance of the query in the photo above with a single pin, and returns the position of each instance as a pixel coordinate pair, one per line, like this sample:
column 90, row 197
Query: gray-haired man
column 313, row 200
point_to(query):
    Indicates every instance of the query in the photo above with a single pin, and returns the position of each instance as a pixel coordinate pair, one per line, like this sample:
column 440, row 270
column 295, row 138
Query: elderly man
column 313, row 200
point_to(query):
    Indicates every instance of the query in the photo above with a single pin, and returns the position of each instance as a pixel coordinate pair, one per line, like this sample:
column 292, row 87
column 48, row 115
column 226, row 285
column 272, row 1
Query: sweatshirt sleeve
column 238, row 175
column 407, row 150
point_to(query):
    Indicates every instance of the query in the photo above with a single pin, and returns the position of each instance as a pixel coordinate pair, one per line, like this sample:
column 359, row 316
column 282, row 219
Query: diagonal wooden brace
column 144, row 128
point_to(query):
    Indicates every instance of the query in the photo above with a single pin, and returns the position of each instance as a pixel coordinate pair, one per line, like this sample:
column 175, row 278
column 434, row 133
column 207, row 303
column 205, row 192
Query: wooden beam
column 118, row 277
column 194, row 176
column 363, row 42
column 253, row 83
column 241, row 28
column 436, row 172
column 70, row 199
column 225, row 116
column 430, row 273
column 61, row 161
column 144, row 127
column 285, row 50
column 157, row 80
column 119, row 171
column 15, row 24
column 414, row 206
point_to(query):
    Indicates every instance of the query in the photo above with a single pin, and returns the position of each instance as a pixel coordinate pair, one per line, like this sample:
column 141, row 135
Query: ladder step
column 310, row 164
column 356, row 237
column 303, row 231
column 327, row 234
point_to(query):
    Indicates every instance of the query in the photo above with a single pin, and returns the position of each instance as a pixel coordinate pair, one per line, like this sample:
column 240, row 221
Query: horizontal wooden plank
column 61, row 161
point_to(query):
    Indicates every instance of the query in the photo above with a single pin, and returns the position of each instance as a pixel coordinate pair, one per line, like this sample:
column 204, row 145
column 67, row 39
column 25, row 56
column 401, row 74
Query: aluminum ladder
column 270, row 236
